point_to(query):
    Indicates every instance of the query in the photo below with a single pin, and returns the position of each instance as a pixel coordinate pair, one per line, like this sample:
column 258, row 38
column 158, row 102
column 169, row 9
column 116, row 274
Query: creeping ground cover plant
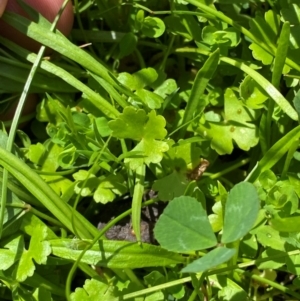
column 162, row 159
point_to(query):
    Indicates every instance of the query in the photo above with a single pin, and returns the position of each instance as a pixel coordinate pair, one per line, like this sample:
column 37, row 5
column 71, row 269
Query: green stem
column 229, row 169
column 273, row 284
column 137, row 199
column 166, row 53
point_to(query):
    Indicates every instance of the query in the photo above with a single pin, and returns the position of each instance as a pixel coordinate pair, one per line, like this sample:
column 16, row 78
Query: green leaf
column 286, row 224
column 115, row 254
column 229, row 37
column 252, row 93
column 139, row 79
column 38, row 250
column 11, row 251
column 267, row 179
column 94, row 289
column 186, row 26
column 266, row 30
column 216, row 219
column 111, row 186
column 242, row 207
column 135, row 124
column 296, row 102
column 275, row 153
column 153, row 27
column 171, row 186
column 127, row 44
column 209, row 260
column 269, row 237
column 151, row 99
column 184, row 226
column 291, row 13
column 202, row 78
column 235, row 127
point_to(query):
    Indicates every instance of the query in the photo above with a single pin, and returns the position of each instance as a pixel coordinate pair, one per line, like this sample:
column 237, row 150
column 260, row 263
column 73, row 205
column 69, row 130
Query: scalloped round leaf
column 242, row 208
column 252, row 93
column 153, row 27
column 236, row 110
column 222, row 135
column 184, row 226
column 94, row 289
column 135, row 124
column 152, row 151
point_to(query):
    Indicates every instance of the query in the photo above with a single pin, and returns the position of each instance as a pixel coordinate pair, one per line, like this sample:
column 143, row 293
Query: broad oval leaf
column 184, row 226
column 241, row 211
column 210, row 260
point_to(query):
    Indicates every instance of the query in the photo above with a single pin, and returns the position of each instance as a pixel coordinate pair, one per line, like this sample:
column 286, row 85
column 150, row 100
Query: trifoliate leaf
column 235, row 127
column 184, row 226
column 242, row 209
column 146, row 129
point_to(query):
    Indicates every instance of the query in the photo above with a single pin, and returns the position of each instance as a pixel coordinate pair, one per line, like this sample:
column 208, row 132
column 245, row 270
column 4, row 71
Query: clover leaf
column 148, row 129
column 235, row 127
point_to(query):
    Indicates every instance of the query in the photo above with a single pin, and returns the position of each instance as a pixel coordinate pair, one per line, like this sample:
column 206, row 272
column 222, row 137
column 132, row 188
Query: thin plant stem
column 229, row 169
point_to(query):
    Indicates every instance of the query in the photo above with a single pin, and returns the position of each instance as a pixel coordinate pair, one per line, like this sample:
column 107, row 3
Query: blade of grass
column 44, row 193
column 96, row 99
column 280, row 58
column 62, row 45
column 262, row 81
column 14, row 125
column 275, row 153
column 200, row 83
